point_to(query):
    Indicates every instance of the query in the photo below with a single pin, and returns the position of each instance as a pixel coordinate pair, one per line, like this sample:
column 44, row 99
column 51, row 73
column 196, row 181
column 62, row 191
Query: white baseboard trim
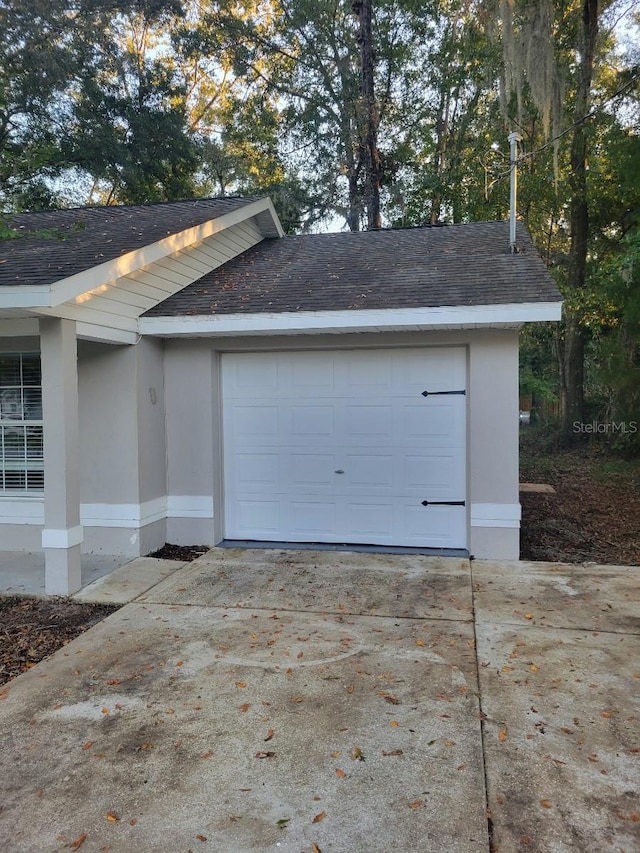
column 189, row 506
column 31, row 511
column 495, row 515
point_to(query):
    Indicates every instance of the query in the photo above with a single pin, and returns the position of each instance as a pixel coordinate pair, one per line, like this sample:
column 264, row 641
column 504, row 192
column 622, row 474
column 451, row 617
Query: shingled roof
column 55, row 244
column 450, row 265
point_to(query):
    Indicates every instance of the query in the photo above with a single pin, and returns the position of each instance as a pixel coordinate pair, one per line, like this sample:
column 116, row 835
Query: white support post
column 62, row 532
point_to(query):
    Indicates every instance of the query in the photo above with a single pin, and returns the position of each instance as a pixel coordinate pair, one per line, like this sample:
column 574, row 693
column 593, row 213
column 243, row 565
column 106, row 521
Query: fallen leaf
column 350, row 688
column 315, row 849
column 449, row 742
column 394, row 723
column 534, row 668
column 546, row 804
column 240, row 684
column 261, row 753
column 391, row 700
column 340, row 773
column 419, row 642
column 416, row 804
column 207, row 755
column 132, row 821
column 461, row 766
column 356, row 754
column 112, row 817
column 87, row 745
column 393, row 752
column 298, row 699
column 283, row 822
column 105, row 711
column 4, row 692
column 336, row 754
column 244, row 708
column 75, row 845
column 502, row 736
column 112, row 681
column 270, row 734
column 319, row 817
column 201, row 837
column 528, row 615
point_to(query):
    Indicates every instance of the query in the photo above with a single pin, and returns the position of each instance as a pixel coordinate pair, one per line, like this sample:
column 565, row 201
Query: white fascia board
column 398, row 319
column 104, row 334
column 25, row 296
column 68, row 288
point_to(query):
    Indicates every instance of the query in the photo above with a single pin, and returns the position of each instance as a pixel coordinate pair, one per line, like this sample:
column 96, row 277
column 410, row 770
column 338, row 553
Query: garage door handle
column 437, row 393
column 443, row 503
column 339, row 471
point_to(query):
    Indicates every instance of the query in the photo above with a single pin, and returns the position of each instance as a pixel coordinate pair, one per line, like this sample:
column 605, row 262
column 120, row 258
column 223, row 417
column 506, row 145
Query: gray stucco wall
column 194, row 445
column 151, row 450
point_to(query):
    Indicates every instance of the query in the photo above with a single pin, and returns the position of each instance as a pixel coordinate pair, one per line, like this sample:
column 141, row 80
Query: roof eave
column 512, row 315
column 66, row 289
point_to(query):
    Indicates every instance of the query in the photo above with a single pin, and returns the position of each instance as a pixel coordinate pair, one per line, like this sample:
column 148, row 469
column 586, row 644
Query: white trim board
column 63, row 538
column 495, row 515
column 30, row 511
column 445, row 317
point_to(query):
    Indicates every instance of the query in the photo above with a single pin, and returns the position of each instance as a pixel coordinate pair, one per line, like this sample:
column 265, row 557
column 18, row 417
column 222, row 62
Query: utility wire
column 583, row 118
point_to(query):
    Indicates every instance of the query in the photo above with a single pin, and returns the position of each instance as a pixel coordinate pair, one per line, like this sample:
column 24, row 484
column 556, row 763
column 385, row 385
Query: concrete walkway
column 319, row 701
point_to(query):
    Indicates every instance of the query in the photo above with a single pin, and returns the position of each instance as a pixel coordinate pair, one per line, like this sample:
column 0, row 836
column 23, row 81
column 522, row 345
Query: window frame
column 21, row 434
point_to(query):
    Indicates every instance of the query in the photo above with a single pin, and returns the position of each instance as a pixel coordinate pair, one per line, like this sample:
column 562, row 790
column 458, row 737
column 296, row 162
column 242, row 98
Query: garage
column 346, row 446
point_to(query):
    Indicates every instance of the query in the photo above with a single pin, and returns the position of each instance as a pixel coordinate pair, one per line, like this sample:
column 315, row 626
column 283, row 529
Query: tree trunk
column 572, row 362
column 370, row 115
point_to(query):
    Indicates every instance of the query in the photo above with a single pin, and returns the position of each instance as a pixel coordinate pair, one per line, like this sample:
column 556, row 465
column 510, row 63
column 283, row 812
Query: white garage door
column 345, row 446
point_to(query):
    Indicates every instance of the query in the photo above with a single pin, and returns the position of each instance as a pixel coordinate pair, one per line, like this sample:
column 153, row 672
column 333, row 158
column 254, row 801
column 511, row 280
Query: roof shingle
column 60, row 243
column 453, row 265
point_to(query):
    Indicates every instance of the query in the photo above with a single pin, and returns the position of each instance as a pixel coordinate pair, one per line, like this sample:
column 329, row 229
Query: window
column 21, row 456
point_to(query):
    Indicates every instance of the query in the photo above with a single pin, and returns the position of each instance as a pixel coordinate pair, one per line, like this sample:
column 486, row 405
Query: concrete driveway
column 312, row 701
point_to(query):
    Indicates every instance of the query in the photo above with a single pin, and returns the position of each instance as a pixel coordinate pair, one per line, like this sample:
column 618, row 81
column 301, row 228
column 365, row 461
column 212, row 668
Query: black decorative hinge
column 439, row 393
column 443, row 503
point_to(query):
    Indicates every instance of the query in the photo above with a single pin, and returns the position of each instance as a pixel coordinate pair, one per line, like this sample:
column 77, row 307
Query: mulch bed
column 593, row 516
column 34, row 628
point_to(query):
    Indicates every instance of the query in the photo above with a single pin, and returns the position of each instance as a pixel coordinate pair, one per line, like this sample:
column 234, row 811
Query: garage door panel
column 439, row 424
column 343, row 447
column 310, row 370
column 445, row 373
column 371, row 521
column 256, row 421
column 309, row 469
column 256, row 470
column 444, row 526
column 436, row 476
column 257, row 518
column 369, row 470
column 311, row 421
column 367, row 420
column 313, row 518
column 250, row 376
column 368, row 370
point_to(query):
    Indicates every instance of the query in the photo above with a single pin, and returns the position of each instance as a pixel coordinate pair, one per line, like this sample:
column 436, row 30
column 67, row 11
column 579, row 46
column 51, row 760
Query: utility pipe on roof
column 514, row 138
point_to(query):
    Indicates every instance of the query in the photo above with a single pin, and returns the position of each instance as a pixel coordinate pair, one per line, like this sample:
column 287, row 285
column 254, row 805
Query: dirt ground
column 594, row 516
